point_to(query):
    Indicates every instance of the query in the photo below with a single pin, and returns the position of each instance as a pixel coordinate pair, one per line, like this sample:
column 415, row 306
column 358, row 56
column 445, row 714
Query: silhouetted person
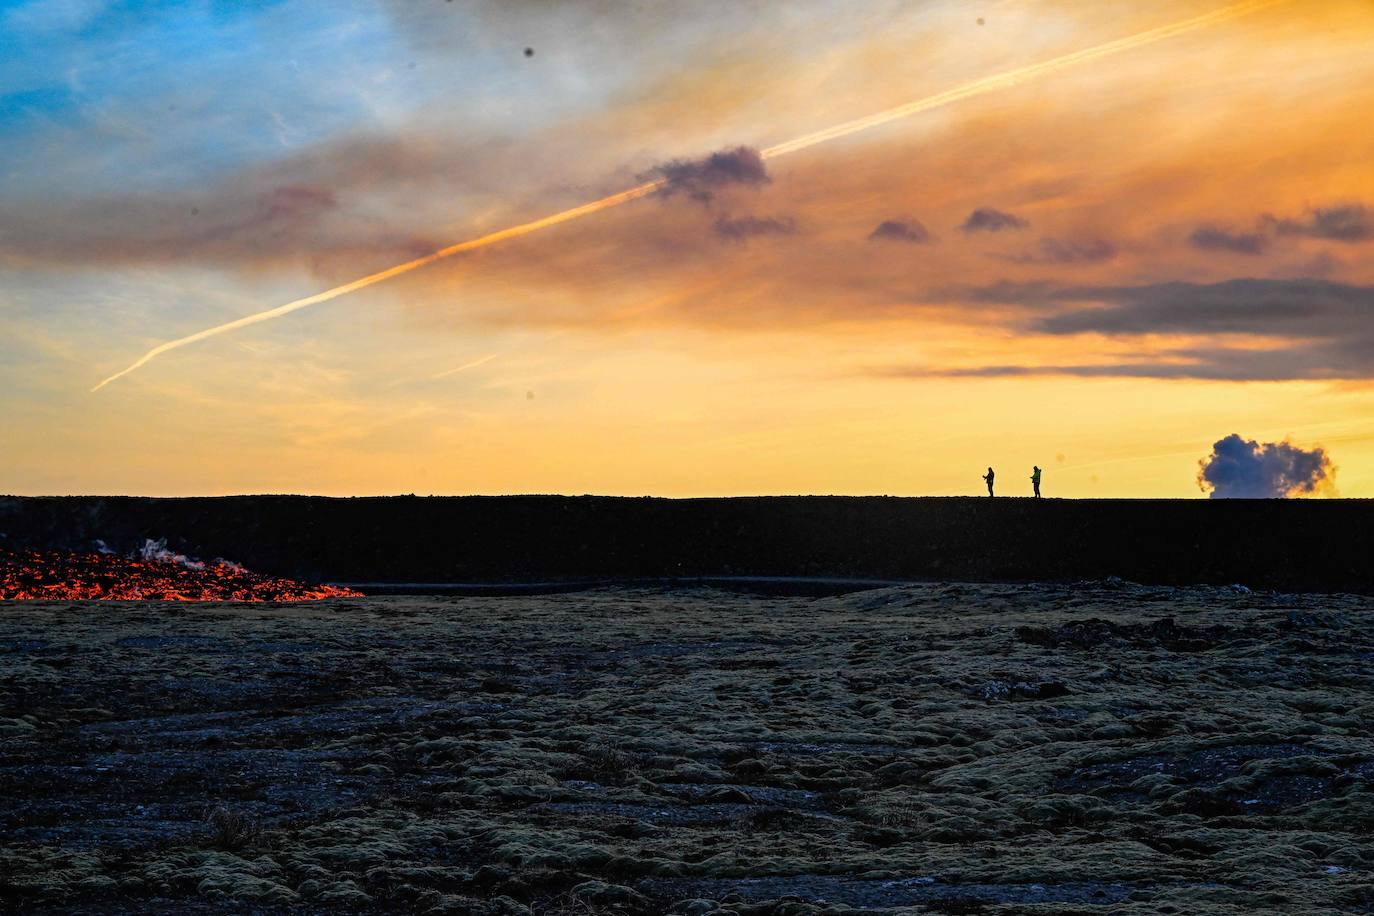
column 1035, row 480
column 989, row 477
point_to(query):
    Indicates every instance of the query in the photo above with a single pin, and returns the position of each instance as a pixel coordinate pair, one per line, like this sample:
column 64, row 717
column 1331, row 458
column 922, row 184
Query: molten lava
column 154, row 575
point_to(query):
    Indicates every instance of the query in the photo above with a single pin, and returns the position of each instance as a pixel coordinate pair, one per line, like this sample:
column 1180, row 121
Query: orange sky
column 1183, row 253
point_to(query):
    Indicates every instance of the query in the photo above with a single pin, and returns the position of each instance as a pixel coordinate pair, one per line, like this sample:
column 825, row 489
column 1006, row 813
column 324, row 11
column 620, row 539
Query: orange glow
column 967, row 91
column 643, row 351
column 59, row 575
column 613, row 200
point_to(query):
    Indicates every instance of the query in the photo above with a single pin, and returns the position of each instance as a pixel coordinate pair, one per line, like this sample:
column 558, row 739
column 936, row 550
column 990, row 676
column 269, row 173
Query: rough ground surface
column 941, row 748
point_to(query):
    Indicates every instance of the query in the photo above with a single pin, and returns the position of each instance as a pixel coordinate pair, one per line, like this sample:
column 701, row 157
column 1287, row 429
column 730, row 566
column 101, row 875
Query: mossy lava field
column 1093, row 748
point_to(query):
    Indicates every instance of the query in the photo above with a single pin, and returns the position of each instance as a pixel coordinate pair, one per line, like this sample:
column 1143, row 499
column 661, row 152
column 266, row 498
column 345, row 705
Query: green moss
column 387, row 776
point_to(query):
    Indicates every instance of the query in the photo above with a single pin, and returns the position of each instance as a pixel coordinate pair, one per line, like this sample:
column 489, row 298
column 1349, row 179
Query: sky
column 1101, row 271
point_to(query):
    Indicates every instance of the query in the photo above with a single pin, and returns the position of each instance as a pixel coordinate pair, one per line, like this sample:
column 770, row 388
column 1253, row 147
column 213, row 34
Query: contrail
column 613, row 200
column 968, row 90
column 1020, row 75
column 465, row 366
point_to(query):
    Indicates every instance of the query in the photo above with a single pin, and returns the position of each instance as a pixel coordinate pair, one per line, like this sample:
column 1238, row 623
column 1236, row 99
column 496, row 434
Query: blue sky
column 113, row 96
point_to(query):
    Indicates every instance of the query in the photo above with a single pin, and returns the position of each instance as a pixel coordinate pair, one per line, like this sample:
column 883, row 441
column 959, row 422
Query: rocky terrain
column 947, row 748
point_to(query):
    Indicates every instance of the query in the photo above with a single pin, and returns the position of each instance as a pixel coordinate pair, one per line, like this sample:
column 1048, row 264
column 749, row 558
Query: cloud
column 1353, row 222
column 1214, row 365
column 743, row 228
column 1245, row 469
column 700, row 179
column 1287, row 329
column 438, row 179
column 986, row 219
column 909, row 230
column 1003, row 292
column 274, row 210
column 1216, row 238
column 1271, row 308
column 356, row 201
column 41, row 17
column 1060, row 251
column 248, row 223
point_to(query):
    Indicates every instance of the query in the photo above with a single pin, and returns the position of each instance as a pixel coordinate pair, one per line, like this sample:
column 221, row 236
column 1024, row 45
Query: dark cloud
column 986, row 219
column 743, row 228
column 1270, row 308
column 1315, row 329
column 1351, row 222
column 700, row 179
column 1311, row 329
column 1216, row 238
column 1214, row 365
column 975, row 371
column 1003, row 292
column 1061, row 251
column 1245, row 469
column 908, row 230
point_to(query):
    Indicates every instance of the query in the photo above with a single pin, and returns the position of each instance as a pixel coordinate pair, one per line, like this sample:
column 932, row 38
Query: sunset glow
column 1114, row 235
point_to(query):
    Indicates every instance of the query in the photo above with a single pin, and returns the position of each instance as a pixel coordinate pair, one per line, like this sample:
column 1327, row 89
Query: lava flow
column 154, row 575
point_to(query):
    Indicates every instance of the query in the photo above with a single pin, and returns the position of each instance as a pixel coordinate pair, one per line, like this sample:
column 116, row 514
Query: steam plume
column 157, row 552
column 978, row 87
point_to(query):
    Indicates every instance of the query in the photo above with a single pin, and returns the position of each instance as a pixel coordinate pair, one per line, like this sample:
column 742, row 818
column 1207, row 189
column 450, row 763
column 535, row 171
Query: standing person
column 989, row 478
column 1035, row 480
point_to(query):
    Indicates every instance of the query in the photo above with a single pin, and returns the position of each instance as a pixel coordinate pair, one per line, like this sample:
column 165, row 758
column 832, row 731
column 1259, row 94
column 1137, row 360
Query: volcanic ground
column 1090, row 748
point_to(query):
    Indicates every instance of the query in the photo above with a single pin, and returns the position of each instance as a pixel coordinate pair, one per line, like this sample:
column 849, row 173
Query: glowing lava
column 61, row 575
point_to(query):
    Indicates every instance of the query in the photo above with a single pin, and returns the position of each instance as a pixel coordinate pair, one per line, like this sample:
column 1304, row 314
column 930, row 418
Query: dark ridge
column 754, row 586
column 1295, row 545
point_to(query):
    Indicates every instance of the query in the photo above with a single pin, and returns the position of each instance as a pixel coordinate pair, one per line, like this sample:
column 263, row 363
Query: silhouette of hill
column 1319, row 545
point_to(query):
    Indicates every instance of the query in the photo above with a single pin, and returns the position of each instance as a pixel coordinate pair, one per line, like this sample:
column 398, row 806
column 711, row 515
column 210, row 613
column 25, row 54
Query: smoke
column 1245, row 469
column 700, row 179
column 157, row 552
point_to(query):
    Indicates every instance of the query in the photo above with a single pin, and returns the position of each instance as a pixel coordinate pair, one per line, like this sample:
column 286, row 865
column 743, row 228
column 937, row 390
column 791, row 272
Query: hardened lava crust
column 1097, row 747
